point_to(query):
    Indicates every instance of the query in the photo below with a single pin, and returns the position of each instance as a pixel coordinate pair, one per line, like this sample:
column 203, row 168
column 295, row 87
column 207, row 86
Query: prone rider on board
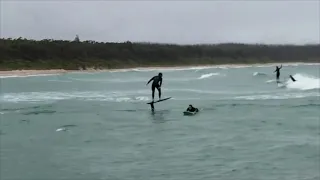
column 192, row 109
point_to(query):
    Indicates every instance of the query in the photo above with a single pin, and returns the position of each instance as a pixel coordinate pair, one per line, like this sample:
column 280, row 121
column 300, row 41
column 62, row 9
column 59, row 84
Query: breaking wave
column 134, row 96
column 259, row 74
column 25, row 76
column 278, row 96
column 271, row 81
column 204, row 76
column 304, row 82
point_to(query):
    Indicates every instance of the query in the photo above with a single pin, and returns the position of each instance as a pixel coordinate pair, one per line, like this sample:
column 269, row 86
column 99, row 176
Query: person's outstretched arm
column 150, row 80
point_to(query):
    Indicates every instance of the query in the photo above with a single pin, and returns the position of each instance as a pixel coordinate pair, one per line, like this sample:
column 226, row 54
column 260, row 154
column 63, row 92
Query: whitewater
column 97, row 125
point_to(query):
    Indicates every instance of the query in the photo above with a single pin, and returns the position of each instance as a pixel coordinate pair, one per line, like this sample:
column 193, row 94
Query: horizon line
column 170, row 43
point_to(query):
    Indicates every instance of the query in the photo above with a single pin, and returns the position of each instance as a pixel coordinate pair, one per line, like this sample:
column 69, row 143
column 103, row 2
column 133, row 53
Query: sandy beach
column 31, row 72
column 17, row 73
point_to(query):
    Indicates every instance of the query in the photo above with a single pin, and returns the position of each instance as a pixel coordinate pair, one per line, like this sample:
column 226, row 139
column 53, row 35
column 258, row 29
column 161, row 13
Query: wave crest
column 259, row 74
column 204, row 76
column 304, row 82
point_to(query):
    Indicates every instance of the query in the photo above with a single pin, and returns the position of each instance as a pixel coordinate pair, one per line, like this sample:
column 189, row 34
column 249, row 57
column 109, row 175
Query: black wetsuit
column 278, row 72
column 157, row 82
column 192, row 109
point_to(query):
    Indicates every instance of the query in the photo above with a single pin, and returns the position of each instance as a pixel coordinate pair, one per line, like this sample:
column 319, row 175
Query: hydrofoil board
column 153, row 102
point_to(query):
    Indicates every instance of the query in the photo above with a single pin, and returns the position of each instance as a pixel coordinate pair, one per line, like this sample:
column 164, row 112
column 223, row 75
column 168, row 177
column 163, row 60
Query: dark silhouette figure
column 278, row 72
column 157, row 82
column 192, row 109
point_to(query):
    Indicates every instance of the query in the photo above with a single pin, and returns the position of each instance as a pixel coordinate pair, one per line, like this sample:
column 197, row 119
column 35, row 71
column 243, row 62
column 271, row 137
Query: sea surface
column 92, row 126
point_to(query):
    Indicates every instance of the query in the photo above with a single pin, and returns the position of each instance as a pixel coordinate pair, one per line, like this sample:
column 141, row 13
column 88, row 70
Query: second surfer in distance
column 157, row 82
column 192, row 109
column 278, row 72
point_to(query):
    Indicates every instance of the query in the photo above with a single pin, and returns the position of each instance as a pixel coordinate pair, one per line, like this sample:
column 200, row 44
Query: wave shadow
column 39, row 112
column 159, row 116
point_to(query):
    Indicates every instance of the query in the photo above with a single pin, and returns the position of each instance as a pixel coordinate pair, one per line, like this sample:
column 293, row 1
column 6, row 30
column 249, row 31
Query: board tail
column 292, row 78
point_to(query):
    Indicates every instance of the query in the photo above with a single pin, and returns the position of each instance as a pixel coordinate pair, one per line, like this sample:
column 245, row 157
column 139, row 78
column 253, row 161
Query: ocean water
column 98, row 125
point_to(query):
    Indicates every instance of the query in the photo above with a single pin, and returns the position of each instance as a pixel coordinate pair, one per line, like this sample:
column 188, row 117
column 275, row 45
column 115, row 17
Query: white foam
column 280, row 85
column 127, row 80
column 123, row 99
column 271, row 81
column 197, row 68
column 200, row 91
column 303, row 82
column 142, row 98
column 24, row 76
column 285, row 64
column 123, row 96
column 204, row 76
column 58, row 81
column 61, row 129
column 183, row 68
column 278, row 96
column 259, row 74
column 166, row 69
column 113, row 80
column 224, row 66
column 120, row 99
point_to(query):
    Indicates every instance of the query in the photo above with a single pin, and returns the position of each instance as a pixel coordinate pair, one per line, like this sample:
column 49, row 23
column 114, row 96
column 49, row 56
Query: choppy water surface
column 98, row 125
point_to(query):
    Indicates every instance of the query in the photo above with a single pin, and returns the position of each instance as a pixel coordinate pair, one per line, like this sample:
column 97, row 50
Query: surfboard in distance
column 159, row 100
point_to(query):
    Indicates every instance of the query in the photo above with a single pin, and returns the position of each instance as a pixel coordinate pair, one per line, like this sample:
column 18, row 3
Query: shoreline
column 22, row 72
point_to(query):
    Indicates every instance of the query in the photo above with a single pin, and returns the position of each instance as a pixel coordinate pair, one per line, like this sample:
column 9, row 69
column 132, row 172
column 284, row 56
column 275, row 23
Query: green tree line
column 62, row 54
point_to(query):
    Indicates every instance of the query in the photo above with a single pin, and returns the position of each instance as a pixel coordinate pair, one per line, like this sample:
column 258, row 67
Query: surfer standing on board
column 278, row 72
column 157, row 82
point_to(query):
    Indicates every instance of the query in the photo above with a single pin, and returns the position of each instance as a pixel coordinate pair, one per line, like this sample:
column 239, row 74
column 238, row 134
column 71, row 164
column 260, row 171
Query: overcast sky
column 183, row 22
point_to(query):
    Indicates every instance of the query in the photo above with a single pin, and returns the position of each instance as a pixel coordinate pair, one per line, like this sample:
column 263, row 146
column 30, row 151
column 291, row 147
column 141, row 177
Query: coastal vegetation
column 73, row 55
